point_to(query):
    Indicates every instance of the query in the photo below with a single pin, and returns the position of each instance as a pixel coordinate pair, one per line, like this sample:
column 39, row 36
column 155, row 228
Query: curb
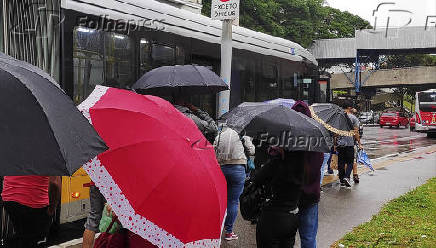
column 384, row 162
column 75, row 243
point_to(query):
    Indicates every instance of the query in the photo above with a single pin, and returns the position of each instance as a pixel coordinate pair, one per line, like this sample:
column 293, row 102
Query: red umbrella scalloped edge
column 120, row 204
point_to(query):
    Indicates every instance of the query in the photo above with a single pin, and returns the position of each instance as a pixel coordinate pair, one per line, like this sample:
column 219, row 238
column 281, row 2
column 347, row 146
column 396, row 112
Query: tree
column 301, row 21
column 401, row 61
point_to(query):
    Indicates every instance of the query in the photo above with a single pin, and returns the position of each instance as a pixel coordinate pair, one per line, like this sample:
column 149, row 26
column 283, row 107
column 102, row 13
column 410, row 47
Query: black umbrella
column 279, row 126
column 332, row 117
column 180, row 80
column 42, row 132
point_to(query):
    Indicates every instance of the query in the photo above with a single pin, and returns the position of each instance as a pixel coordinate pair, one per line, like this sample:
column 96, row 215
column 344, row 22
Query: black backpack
column 253, row 199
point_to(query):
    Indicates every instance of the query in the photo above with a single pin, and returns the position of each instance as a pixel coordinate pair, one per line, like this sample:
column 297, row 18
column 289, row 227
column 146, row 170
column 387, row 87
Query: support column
column 357, row 75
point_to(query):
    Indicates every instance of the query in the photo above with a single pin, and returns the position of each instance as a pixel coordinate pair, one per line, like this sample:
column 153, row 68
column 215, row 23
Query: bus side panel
column 75, row 197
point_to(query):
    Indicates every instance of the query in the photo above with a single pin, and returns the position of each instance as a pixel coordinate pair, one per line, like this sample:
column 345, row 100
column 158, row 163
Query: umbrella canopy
column 282, row 101
column 42, row 132
column 160, row 174
column 362, row 158
column 332, row 117
column 279, row 126
column 180, row 80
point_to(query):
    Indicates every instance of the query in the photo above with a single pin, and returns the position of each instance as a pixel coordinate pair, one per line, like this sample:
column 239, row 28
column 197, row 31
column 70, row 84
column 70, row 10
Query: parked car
column 394, row 119
column 412, row 123
column 366, row 117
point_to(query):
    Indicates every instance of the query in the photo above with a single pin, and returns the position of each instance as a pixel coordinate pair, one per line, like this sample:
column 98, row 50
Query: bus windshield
column 427, row 101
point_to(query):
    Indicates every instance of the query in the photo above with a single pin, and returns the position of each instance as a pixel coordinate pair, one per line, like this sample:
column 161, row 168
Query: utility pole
column 226, row 11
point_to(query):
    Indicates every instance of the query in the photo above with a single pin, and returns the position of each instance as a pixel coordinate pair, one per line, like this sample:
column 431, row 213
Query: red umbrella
column 160, row 175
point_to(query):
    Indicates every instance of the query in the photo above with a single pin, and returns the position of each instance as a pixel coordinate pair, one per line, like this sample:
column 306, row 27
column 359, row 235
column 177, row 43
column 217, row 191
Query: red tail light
column 418, row 120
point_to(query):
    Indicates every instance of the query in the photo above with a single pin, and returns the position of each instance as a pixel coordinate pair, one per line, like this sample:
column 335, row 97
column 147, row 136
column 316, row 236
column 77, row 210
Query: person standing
column 314, row 168
column 345, row 148
column 92, row 223
column 204, row 122
column 231, row 150
column 26, row 200
column 278, row 221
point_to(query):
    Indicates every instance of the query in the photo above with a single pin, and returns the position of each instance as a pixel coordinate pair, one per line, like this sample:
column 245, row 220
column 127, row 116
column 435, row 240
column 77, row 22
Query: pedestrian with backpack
column 231, row 150
column 278, row 222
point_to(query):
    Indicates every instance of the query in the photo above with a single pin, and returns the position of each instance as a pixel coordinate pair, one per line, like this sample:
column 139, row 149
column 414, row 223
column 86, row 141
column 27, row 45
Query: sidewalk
column 342, row 209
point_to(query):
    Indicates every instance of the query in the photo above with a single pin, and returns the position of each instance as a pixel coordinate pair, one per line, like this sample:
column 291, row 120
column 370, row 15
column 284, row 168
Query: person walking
column 345, row 148
column 231, row 150
column 26, row 200
column 278, row 221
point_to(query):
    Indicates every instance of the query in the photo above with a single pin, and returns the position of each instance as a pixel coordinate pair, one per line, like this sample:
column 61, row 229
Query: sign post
column 227, row 11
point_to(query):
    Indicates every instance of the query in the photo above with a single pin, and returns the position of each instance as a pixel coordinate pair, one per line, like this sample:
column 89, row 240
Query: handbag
column 252, row 200
column 106, row 220
column 334, row 161
column 116, row 240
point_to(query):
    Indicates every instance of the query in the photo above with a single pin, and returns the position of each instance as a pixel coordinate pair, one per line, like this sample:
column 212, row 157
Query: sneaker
column 356, row 178
column 347, row 182
column 230, row 236
column 342, row 183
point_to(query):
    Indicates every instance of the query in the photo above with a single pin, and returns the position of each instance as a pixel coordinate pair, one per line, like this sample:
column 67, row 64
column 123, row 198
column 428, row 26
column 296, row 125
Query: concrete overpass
column 412, row 76
column 368, row 45
column 376, row 42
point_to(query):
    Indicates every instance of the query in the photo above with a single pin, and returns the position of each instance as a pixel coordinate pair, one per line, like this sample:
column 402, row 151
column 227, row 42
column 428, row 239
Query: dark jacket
column 312, row 168
column 204, row 122
column 285, row 178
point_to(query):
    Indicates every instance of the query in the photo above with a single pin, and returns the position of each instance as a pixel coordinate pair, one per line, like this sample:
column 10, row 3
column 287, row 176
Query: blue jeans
column 235, row 177
column 308, row 226
column 324, row 163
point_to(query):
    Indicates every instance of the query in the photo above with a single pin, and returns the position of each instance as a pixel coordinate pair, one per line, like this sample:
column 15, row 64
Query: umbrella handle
column 114, row 218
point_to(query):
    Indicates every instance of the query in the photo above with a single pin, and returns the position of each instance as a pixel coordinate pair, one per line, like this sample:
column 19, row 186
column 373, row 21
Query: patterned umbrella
column 332, row 117
column 160, row 174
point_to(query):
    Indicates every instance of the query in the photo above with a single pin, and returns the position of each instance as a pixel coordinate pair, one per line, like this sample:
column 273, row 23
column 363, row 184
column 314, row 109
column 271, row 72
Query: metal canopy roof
column 187, row 24
column 380, row 41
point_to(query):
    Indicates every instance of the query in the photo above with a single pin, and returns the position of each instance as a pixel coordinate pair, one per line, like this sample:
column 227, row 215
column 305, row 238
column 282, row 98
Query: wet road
column 380, row 142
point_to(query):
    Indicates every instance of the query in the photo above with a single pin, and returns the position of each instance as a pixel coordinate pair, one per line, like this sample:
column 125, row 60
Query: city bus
column 83, row 43
column 425, row 112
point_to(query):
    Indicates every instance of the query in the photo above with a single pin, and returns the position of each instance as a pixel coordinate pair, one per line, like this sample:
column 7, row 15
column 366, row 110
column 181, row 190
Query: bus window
column 180, row 55
column 88, row 57
column 267, row 88
column 427, row 101
column 162, row 55
column 145, row 56
column 119, row 60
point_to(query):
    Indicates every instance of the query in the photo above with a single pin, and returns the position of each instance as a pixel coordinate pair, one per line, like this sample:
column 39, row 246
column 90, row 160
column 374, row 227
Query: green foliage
column 301, row 21
column 408, row 221
column 400, row 61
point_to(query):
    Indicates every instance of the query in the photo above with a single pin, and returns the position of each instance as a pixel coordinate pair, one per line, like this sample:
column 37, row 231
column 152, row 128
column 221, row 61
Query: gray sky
column 420, row 9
